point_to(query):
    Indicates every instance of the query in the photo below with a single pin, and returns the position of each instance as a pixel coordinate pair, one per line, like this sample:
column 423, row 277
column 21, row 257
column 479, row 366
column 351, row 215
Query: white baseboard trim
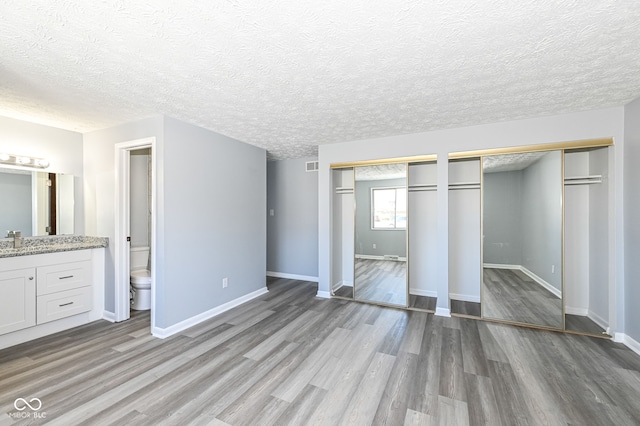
column 628, row 341
column 323, row 294
column 292, row 276
column 443, row 312
column 598, row 319
column 341, row 284
column 420, row 292
column 109, row 316
column 556, row 292
column 501, row 266
column 376, row 257
column 163, row 333
column 464, row 297
column 583, row 312
column 31, row 333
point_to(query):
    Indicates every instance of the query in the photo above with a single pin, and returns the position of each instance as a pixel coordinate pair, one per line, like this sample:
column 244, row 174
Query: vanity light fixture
column 21, row 160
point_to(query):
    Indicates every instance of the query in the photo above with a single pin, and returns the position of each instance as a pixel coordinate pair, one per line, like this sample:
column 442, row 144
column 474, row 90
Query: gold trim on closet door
column 414, row 159
column 555, row 146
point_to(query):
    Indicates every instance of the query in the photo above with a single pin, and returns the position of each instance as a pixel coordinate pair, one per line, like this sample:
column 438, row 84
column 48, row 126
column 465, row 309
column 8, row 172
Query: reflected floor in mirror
column 511, row 295
column 382, row 281
column 465, row 308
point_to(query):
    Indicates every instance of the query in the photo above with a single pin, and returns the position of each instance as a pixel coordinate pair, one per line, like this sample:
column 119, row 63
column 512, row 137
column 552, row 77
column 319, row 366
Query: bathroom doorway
column 135, row 236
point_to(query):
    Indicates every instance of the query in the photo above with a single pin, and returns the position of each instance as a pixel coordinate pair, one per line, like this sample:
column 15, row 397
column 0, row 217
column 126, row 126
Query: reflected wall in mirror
column 381, row 233
column 522, row 238
column 342, row 233
column 36, row 203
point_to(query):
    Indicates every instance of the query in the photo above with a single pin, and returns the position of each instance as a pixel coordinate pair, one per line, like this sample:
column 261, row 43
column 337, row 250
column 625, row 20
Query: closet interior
column 529, row 239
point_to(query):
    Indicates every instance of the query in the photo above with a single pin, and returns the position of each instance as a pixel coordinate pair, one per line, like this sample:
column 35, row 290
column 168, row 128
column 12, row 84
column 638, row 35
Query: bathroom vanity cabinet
column 45, row 293
column 17, row 300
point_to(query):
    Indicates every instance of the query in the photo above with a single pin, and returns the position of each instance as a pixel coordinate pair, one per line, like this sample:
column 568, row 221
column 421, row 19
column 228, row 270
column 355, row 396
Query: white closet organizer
column 342, row 237
column 423, row 222
column 586, row 235
column 464, row 230
column 420, row 234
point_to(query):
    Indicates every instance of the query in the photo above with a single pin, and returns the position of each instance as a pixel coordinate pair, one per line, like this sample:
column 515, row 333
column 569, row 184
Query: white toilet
column 141, row 289
column 140, row 279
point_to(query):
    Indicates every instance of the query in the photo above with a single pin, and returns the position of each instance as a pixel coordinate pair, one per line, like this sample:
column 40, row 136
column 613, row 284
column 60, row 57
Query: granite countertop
column 51, row 244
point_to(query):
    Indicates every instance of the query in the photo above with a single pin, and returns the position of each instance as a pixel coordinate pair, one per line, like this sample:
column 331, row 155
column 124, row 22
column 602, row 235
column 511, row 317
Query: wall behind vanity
column 62, row 148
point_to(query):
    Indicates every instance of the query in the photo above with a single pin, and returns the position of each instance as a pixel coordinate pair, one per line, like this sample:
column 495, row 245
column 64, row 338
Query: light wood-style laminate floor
column 289, row 358
column 511, row 295
column 382, row 281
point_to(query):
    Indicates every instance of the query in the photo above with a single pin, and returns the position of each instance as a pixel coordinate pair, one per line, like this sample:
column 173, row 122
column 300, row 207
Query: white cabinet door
column 17, row 300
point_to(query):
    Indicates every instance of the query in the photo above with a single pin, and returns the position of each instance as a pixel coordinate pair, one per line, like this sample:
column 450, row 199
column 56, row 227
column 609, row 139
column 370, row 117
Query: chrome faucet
column 17, row 238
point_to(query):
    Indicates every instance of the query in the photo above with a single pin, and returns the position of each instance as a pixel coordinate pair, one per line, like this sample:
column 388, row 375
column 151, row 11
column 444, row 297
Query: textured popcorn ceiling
column 510, row 162
column 381, row 172
column 288, row 75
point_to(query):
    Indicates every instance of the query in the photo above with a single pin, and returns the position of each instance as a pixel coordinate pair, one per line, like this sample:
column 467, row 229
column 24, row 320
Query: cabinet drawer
column 64, row 276
column 63, row 304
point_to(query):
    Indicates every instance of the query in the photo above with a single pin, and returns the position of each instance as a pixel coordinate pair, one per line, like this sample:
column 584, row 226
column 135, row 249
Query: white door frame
column 122, row 228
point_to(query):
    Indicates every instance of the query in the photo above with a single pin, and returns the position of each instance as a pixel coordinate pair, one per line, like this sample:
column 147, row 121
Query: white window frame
column 372, row 207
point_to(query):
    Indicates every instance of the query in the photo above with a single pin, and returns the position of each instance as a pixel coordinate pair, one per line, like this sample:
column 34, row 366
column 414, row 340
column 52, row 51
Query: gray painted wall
column 632, row 219
column 100, row 190
column 542, row 218
column 15, row 203
column 388, row 242
column 502, row 216
column 209, row 210
column 215, row 226
column 292, row 232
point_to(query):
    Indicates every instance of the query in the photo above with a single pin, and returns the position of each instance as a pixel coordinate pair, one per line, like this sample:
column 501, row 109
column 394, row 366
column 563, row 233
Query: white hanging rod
column 583, row 180
column 344, row 190
column 423, row 187
column 464, row 185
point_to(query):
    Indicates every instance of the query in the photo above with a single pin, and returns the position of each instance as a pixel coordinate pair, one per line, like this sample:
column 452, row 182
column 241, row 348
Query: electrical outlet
column 225, row 282
column 374, row 246
column 553, row 269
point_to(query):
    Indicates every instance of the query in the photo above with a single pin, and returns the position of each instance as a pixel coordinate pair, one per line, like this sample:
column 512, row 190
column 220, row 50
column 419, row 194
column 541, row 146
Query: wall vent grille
column 311, row 166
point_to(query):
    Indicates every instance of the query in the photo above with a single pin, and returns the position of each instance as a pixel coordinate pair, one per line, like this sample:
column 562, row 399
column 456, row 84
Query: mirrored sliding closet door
column 380, row 259
column 522, row 241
